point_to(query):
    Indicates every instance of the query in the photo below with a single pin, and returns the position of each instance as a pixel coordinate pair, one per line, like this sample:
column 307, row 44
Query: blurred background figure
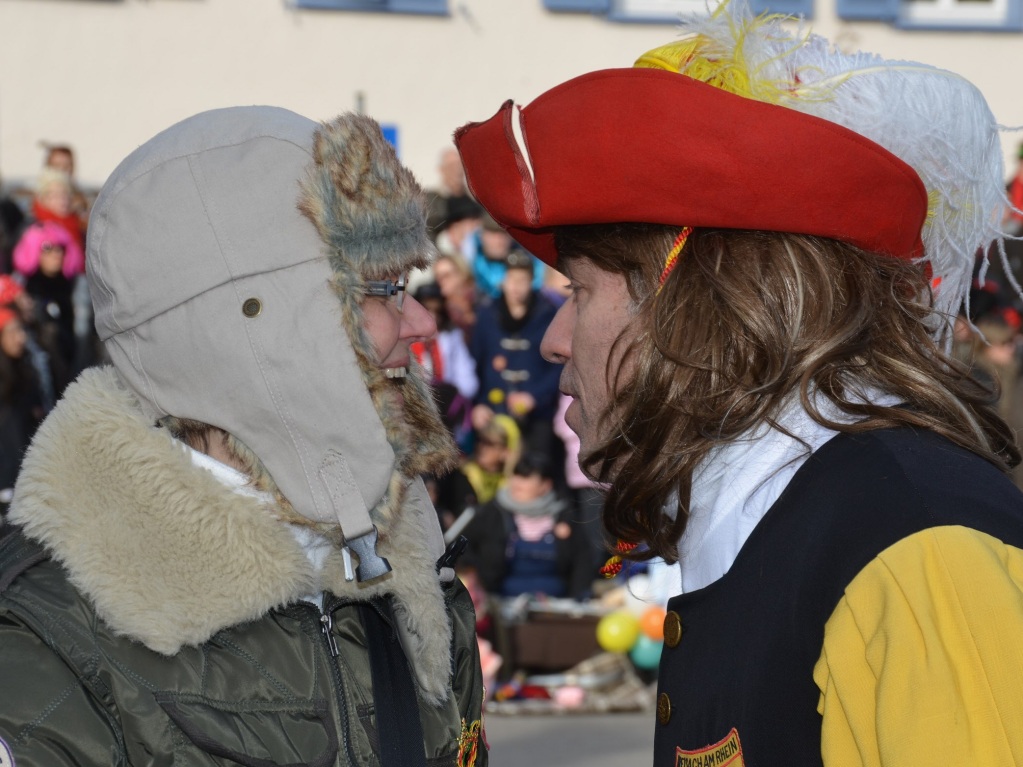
column 49, row 264
column 490, row 247
column 495, row 451
column 989, row 341
column 456, row 232
column 524, row 541
column 21, row 400
column 1014, row 214
column 61, row 157
column 14, row 297
column 53, row 203
column 445, row 357
column 452, row 215
column 12, row 221
column 996, row 355
column 451, row 370
column 43, row 235
column 456, row 285
column 451, row 200
column 514, row 378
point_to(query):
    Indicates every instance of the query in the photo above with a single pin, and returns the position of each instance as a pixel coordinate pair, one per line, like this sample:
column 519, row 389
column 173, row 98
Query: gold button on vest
column 672, row 629
column 663, row 708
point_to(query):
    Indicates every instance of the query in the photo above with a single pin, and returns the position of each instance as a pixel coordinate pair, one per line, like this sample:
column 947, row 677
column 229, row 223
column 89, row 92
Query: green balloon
column 646, row 653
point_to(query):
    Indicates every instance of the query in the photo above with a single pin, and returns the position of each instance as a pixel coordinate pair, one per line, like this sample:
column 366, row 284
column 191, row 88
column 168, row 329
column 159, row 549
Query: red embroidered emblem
column 727, row 751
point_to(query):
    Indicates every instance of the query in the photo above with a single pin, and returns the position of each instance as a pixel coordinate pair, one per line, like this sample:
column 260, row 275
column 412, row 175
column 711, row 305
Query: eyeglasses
column 392, row 289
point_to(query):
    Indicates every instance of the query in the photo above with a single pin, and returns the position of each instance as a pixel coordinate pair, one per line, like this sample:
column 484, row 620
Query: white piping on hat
column 520, row 139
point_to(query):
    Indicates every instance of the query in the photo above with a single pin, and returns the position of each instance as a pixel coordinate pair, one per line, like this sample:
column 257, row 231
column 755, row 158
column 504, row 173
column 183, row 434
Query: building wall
column 105, row 75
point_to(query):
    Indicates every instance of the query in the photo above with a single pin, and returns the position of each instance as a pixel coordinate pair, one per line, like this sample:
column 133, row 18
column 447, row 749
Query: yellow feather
column 670, row 57
column 701, row 59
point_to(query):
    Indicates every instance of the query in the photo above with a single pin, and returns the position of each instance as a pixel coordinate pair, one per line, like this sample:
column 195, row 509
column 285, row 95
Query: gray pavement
column 594, row 740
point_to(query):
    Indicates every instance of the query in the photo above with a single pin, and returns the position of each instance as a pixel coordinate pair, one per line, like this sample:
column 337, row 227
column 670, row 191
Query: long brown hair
column 745, row 320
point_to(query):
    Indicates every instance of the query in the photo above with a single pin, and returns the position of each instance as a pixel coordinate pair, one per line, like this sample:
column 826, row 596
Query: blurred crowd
column 531, row 517
column 989, row 338
column 46, row 333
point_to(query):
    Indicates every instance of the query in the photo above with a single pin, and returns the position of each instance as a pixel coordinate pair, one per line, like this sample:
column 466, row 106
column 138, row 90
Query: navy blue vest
column 750, row 640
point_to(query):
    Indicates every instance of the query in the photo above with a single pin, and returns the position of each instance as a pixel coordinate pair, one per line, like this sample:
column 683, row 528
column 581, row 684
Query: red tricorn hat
column 647, row 145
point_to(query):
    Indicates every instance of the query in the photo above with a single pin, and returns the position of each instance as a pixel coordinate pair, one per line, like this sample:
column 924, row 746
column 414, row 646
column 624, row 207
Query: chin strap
column 359, row 531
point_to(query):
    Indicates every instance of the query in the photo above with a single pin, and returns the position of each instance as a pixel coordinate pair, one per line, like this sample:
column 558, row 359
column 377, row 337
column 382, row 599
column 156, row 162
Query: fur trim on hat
column 366, row 205
column 371, row 213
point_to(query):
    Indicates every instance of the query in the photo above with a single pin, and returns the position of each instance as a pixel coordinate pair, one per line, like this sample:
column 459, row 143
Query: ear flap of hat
column 370, row 211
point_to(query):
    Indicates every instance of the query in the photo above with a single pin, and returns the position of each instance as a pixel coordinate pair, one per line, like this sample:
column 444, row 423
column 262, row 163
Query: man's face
column 581, row 336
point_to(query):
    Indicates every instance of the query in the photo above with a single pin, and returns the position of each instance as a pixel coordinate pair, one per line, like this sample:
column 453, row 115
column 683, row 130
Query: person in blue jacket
column 514, row 378
column 489, row 250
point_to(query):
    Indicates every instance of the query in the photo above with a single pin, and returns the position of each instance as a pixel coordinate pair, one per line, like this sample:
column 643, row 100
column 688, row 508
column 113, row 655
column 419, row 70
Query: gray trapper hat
column 218, row 301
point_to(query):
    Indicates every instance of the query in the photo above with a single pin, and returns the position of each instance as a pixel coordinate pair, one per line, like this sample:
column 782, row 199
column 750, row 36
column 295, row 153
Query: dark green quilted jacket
column 266, row 692
column 149, row 615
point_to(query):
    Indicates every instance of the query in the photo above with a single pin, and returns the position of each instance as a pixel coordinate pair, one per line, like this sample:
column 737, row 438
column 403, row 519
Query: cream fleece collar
column 168, row 555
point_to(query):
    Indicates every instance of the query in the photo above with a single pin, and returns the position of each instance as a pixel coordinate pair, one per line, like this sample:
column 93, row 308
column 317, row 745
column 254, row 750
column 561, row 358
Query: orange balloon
column 652, row 622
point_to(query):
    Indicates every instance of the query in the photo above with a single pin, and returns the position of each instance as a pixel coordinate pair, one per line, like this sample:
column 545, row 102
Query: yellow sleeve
column 923, row 657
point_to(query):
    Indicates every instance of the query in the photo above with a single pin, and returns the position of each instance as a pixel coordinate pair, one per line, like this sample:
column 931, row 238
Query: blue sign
column 391, row 134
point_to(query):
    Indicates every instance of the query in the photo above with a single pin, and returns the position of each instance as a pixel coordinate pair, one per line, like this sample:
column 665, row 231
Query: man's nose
column 556, row 346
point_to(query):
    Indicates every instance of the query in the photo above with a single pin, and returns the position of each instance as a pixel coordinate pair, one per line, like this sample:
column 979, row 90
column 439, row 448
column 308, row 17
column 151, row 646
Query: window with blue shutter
column 868, row 10
column 668, row 11
column 431, row 7
column 654, row 11
column 802, row 8
column 961, row 15
column 584, row 6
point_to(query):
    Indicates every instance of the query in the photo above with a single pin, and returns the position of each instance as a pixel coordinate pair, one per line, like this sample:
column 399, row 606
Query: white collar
column 737, row 483
column 226, row 475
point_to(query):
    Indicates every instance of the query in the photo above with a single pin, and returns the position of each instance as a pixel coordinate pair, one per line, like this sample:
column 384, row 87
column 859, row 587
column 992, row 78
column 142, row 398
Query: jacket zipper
column 327, row 629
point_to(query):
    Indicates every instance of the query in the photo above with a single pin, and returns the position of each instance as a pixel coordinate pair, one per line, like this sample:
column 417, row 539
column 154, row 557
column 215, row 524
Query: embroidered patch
column 6, row 757
column 468, row 744
column 725, row 752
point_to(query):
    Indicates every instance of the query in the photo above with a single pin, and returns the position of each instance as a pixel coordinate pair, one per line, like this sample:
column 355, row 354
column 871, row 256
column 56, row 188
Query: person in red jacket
column 53, row 203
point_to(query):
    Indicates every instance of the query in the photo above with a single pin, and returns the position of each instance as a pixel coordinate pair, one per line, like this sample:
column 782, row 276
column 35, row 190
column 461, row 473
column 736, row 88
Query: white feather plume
column 934, row 120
